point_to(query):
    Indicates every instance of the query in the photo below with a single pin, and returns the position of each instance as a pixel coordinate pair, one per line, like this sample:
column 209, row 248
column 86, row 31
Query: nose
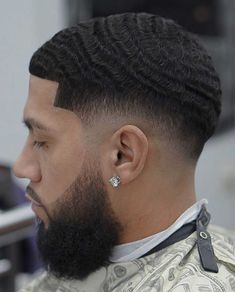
column 27, row 166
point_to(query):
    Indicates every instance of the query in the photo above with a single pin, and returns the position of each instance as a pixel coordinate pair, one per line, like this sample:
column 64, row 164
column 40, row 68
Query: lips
column 32, row 200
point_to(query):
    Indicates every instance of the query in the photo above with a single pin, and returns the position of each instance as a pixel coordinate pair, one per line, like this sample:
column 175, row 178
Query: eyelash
column 38, row 144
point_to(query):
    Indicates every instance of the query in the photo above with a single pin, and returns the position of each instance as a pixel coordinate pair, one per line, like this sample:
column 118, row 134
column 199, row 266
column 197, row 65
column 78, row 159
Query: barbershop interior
column 24, row 26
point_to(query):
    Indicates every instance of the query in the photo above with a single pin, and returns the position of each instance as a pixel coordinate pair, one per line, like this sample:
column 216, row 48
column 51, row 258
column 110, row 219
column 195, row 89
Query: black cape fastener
column 204, row 244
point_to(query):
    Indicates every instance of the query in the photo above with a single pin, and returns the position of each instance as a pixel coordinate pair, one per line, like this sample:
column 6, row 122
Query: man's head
column 132, row 95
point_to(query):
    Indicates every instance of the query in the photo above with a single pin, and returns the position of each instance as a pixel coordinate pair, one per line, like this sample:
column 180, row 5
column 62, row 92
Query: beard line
column 82, row 232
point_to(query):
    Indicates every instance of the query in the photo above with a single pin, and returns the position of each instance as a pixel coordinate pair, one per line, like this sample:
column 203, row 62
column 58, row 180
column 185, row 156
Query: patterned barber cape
column 176, row 268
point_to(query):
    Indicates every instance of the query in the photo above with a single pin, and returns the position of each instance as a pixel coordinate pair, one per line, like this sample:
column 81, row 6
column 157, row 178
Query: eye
column 38, row 144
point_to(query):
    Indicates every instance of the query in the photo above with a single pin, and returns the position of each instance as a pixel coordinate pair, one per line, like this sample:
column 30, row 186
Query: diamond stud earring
column 115, row 181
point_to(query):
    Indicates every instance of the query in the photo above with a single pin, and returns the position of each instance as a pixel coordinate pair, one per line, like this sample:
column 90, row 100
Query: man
column 118, row 112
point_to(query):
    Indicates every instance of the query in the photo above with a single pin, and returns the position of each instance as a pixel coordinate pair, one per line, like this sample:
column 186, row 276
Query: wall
column 24, row 26
column 215, row 178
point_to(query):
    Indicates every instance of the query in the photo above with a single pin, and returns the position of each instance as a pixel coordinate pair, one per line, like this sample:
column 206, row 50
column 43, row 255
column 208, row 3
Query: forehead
column 41, row 94
column 40, row 104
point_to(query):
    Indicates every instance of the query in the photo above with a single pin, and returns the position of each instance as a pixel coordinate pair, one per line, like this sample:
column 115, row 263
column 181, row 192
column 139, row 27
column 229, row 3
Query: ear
column 128, row 153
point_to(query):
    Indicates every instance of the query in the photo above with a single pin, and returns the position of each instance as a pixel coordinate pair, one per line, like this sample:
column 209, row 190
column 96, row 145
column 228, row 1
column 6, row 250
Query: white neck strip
column 133, row 250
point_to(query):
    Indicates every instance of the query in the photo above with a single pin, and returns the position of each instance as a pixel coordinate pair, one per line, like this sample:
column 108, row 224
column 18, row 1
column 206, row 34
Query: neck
column 153, row 209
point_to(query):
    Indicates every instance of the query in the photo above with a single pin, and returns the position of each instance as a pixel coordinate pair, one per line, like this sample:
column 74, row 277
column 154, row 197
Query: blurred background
column 24, row 26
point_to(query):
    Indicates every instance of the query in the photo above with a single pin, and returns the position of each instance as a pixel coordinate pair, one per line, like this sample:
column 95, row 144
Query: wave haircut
column 138, row 65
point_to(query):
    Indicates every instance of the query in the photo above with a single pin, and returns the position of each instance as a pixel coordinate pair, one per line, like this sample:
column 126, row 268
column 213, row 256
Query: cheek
column 59, row 171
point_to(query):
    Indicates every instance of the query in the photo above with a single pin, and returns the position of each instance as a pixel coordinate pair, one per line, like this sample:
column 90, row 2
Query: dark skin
column 157, row 183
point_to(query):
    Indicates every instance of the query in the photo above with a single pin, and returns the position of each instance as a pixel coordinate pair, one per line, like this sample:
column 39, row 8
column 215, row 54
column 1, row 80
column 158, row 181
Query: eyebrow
column 32, row 124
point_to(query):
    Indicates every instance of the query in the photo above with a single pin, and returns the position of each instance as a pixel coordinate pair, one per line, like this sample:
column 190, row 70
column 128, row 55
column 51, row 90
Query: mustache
column 33, row 195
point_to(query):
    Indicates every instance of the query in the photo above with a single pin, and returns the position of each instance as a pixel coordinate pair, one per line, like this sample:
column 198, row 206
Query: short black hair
column 135, row 64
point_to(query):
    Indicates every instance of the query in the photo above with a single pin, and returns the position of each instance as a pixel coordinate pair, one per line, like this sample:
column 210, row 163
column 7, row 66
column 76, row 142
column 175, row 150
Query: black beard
column 82, row 233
